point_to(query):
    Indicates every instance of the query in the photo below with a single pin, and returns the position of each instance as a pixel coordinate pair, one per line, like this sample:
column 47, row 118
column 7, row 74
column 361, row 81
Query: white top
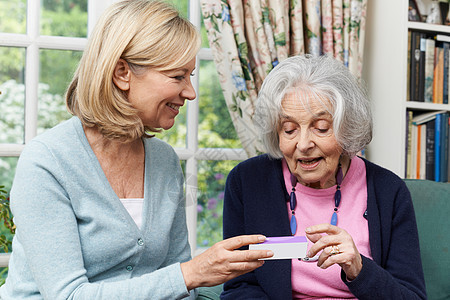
column 134, row 208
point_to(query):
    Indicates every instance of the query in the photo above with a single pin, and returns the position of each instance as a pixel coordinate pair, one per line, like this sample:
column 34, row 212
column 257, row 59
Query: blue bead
column 334, row 219
column 337, row 198
column 293, row 201
column 293, row 225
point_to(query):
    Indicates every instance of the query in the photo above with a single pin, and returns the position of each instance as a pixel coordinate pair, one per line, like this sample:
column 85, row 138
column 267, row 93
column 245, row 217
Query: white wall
column 384, row 71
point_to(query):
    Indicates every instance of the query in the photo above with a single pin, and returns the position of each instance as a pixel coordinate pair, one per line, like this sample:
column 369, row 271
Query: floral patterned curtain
column 250, row 37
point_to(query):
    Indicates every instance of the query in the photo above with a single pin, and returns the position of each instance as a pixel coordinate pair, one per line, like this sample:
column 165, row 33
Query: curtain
column 249, row 38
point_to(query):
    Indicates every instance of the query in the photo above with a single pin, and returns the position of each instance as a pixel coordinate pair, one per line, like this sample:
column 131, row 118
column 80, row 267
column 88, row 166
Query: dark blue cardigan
column 255, row 203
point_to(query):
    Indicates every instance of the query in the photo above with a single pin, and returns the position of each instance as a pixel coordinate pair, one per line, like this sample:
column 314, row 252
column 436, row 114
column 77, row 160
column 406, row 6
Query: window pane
column 64, row 18
column 56, row 71
column 12, row 97
column 13, row 16
column 211, row 185
column 216, row 129
column 7, row 171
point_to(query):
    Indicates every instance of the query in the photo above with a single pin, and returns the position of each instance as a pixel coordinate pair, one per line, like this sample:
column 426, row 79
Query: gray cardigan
column 75, row 239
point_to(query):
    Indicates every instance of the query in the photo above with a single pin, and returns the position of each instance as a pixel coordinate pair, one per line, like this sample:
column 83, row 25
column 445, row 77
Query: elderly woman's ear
column 122, row 75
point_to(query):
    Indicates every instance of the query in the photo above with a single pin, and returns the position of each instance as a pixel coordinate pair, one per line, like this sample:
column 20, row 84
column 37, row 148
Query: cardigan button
column 140, row 242
column 129, row 268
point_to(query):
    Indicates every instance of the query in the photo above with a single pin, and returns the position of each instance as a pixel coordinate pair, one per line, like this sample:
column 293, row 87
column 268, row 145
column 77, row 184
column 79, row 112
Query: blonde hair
column 146, row 34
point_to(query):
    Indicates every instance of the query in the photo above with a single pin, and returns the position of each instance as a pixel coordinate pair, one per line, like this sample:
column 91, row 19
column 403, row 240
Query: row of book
column 428, row 67
column 427, row 146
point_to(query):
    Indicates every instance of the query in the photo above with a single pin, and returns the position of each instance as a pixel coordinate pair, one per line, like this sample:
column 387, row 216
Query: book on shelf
column 421, row 71
column 437, row 148
column 445, row 72
column 444, row 147
column 425, row 117
column 429, row 169
column 421, row 151
column 438, row 82
column 429, row 69
column 417, row 66
column 408, row 68
column 443, row 38
column 441, row 147
column 414, row 142
column 408, row 150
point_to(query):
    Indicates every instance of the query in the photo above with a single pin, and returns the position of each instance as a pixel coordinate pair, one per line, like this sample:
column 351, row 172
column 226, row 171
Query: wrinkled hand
column 223, row 262
column 338, row 248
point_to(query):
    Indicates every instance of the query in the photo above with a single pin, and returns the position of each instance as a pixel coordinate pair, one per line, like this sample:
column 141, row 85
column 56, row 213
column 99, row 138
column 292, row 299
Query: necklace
column 337, row 200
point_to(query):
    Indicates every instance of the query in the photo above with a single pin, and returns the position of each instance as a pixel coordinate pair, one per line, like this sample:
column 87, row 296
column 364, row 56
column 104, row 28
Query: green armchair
column 432, row 207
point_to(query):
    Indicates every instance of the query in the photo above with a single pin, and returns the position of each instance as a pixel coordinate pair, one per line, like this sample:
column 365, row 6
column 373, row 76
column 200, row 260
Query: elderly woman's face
column 307, row 141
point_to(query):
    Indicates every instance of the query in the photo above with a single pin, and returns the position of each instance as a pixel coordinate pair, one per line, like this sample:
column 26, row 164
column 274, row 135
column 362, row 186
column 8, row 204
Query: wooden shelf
column 429, row 27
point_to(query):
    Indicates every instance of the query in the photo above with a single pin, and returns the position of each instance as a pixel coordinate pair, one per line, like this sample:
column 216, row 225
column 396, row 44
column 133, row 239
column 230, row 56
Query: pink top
column 315, row 206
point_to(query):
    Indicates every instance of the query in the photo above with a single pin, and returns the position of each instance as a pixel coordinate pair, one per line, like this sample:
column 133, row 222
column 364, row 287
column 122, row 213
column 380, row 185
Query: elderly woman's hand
column 223, row 262
column 338, row 248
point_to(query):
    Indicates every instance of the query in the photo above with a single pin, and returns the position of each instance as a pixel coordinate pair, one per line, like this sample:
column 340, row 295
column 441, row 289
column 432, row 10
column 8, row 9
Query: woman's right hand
column 223, row 262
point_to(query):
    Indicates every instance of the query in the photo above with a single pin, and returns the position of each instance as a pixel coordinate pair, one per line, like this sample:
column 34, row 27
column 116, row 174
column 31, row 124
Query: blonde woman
column 98, row 202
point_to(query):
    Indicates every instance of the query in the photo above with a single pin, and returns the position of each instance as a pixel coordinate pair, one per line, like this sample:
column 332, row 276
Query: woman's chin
column 167, row 125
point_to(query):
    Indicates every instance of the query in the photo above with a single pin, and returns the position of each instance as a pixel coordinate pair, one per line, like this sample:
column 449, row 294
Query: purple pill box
column 284, row 247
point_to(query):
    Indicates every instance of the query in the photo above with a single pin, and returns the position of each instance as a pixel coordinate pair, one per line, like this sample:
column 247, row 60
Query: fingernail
column 262, row 238
column 308, row 230
column 269, row 253
column 308, row 254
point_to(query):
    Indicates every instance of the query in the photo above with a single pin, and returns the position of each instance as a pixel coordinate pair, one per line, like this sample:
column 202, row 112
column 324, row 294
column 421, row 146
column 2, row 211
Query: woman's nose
column 188, row 91
column 304, row 141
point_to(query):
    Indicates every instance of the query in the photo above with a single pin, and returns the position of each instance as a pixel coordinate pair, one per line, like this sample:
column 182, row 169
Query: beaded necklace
column 337, row 200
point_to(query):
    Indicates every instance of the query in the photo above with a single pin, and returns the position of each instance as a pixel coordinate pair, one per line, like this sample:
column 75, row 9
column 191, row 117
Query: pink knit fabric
column 315, row 206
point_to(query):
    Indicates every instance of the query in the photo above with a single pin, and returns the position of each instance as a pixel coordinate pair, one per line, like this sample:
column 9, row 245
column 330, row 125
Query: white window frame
column 192, row 154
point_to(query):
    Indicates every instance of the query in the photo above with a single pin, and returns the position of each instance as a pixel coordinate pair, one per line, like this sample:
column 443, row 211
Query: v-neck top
column 75, row 239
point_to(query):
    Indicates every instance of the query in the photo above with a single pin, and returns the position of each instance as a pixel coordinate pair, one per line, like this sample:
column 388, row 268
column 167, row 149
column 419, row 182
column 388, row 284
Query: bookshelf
column 386, row 75
column 426, row 146
column 426, row 143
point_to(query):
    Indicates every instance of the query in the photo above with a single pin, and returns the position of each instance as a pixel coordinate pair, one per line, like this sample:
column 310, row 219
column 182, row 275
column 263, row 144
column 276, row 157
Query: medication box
column 285, row 247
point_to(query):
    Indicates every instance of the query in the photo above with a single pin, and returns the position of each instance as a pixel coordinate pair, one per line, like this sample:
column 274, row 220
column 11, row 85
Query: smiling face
column 157, row 95
column 307, row 141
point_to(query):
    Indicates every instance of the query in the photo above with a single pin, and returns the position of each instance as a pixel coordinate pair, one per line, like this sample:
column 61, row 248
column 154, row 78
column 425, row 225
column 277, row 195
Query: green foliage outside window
column 7, row 230
column 6, row 218
column 13, row 17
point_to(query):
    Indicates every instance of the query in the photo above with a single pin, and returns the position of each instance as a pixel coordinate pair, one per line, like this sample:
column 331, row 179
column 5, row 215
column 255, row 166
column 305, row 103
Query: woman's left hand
column 338, row 248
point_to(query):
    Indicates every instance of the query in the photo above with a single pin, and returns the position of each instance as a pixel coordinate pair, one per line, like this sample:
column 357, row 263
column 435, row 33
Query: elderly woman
column 98, row 200
column 358, row 217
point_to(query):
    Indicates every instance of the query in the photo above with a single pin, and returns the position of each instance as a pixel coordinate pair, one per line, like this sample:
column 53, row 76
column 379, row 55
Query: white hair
column 322, row 77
